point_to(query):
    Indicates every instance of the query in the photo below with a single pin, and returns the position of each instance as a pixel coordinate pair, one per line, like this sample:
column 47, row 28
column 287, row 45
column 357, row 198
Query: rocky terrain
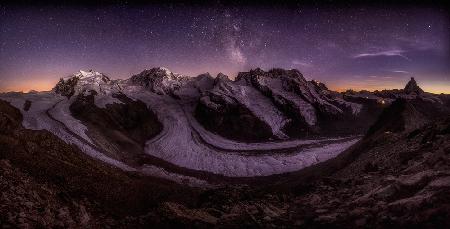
column 269, row 149
column 279, row 104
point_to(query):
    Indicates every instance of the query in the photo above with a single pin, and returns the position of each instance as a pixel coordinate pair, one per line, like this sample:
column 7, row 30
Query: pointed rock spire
column 412, row 87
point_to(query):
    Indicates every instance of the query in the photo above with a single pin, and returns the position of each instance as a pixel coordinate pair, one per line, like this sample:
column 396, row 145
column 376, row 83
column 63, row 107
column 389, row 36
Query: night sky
column 361, row 47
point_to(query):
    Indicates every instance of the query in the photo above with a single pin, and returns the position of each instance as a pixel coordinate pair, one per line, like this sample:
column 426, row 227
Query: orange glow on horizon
column 437, row 89
column 29, row 85
column 431, row 86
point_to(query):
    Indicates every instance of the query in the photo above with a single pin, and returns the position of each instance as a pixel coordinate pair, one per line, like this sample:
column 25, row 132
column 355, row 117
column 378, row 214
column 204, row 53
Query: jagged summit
column 160, row 71
column 84, row 81
column 85, row 74
column 412, row 87
column 222, row 76
column 276, row 103
column 159, row 80
column 319, row 85
column 272, row 73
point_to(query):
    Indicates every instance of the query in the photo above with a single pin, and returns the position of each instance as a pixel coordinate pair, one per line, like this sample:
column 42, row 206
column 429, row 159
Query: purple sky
column 361, row 47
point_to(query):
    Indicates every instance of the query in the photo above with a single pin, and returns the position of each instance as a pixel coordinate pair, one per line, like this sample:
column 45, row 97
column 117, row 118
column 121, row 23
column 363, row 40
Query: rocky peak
column 204, row 75
column 159, row 80
column 412, row 87
column 150, row 74
column 283, row 74
column 221, row 75
column 221, row 78
column 157, row 73
column 318, row 85
column 292, row 73
column 257, row 71
column 92, row 77
column 86, row 74
column 84, row 81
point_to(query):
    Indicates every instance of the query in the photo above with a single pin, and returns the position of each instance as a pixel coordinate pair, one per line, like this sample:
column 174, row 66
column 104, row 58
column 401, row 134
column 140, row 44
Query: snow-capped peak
column 92, row 76
column 85, row 81
column 166, row 70
column 85, row 74
column 159, row 80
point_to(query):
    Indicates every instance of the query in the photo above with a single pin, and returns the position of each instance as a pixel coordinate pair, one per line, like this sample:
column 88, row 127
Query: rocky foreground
column 398, row 175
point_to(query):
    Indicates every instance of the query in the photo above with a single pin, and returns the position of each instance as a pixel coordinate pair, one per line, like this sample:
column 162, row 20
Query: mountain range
column 268, row 148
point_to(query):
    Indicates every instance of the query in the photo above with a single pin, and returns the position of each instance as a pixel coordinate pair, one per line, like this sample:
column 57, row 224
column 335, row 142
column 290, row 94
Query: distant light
column 382, row 102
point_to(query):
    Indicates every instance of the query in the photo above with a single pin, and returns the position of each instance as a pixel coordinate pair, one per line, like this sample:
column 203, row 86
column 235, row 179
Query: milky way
column 358, row 47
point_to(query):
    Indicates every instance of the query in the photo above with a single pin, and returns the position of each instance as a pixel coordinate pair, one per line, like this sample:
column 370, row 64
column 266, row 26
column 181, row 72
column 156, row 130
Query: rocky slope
column 160, row 80
column 121, row 128
column 280, row 104
column 238, row 112
column 86, row 81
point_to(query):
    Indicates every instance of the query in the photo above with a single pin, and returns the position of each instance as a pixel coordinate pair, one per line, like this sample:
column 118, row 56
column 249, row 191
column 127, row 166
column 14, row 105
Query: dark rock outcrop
column 400, row 116
column 10, row 118
column 412, row 87
column 27, row 105
column 232, row 120
column 66, row 87
column 121, row 128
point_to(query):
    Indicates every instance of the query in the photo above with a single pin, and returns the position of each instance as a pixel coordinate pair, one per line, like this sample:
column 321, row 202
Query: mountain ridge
column 230, row 128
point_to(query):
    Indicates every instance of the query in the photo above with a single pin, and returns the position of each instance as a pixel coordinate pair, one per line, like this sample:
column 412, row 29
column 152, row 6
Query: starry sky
column 359, row 47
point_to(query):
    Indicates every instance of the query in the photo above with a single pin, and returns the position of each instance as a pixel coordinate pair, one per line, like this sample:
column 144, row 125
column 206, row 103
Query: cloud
column 301, row 63
column 394, row 52
column 401, row 71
